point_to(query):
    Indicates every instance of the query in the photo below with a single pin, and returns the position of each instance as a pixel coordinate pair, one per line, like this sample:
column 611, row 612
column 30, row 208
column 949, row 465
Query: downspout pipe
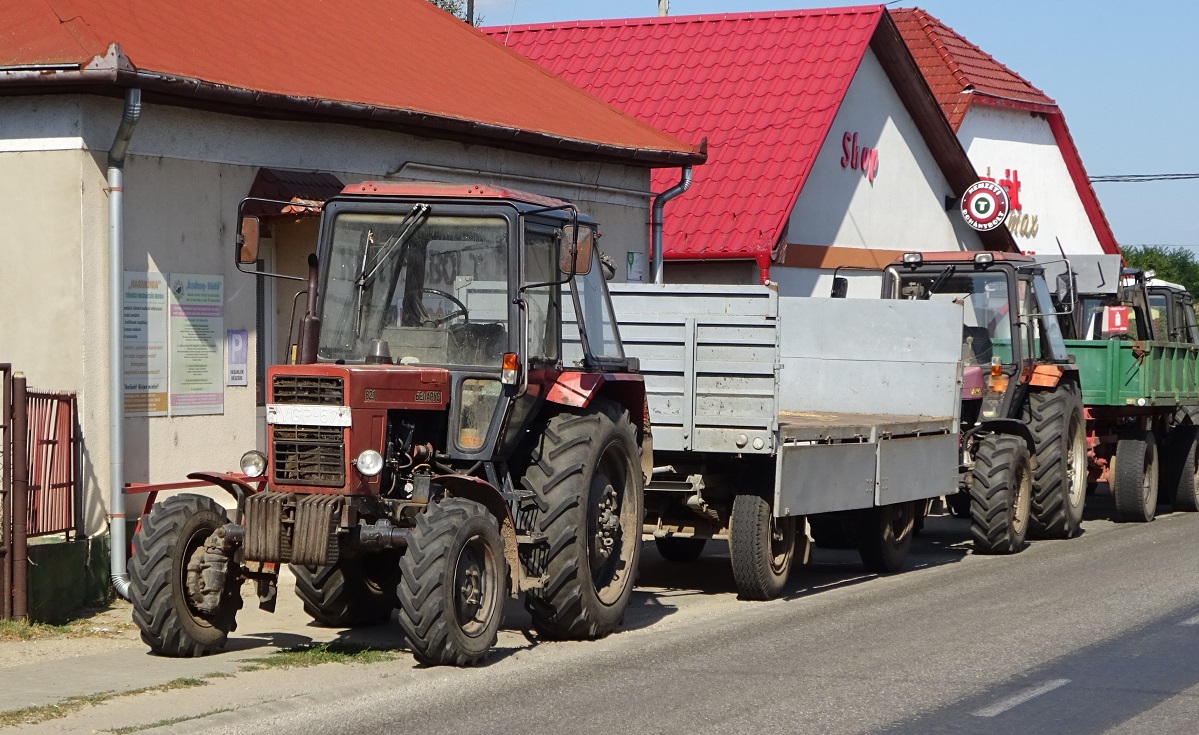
column 116, row 384
column 656, row 222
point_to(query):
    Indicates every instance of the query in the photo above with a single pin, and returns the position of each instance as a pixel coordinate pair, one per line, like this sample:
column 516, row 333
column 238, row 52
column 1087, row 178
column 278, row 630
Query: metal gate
column 39, row 478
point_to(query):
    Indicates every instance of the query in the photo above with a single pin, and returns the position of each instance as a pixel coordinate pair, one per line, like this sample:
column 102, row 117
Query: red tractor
column 434, row 450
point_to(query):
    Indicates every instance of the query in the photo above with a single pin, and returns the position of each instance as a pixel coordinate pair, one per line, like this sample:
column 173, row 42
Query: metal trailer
column 1140, row 385
column 769, row 412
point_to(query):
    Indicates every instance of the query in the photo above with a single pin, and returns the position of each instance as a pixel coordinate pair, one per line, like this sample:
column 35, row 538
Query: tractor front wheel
column 167, row 549
column 1059, row 482
column 452, row 582
column 1000, row 490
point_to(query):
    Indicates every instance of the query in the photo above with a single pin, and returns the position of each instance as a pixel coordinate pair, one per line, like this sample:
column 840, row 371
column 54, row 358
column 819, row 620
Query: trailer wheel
column 1183, row 475
column 1135, row 477
column 680, row 550
column 762, row 548
column 171, row 537
column 452, row 583
column 359, row 590
column 1058, row 426
column 1000, row 495
column 585, row 476
column 885, row 536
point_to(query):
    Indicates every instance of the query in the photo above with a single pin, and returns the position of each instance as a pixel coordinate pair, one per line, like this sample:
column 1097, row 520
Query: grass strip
column 45, row 712
column 317, row 654
column 169, row 721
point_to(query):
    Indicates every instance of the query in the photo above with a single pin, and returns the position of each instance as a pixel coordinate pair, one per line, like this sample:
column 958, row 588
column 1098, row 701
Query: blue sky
column 1123, row 73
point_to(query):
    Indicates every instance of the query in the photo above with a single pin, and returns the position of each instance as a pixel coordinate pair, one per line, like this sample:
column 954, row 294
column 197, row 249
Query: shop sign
column 1019, row 222
column 859, row 158
column 985, row 205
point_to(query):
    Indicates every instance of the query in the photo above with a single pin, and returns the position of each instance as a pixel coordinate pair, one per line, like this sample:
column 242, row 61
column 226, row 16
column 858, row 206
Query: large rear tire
column 452, row 583
column 1134, row 480
column 171, row 537
column 762, row 548
column 585, row 477
column 1000, row 495
column 680, row 550
column 885, row 536
column 1183, row 474
column 1058, row 427
column 359, row 590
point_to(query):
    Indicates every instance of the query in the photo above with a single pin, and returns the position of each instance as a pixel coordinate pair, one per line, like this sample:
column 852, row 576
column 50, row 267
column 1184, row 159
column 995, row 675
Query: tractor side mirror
column 840, row 287
column 577, row 245
column 247, row 241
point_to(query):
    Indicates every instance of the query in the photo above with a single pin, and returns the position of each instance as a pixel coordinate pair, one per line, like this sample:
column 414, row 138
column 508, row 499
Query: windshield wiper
column 399, row 243
column 941, row 279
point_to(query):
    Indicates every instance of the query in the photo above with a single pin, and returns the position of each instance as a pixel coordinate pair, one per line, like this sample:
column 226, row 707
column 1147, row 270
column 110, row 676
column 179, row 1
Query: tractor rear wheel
column 885, row 536
column 1134, row 480
column 1000, row 494
column 360, row 590
column 585, row 478
column 1183, row 475
column 452, row 583
column 680, row 550
column 1058, row 427
column 762, row 548
column 171, row 539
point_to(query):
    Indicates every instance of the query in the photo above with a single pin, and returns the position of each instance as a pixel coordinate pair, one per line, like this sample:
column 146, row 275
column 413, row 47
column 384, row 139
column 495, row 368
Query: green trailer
column 1141, row 393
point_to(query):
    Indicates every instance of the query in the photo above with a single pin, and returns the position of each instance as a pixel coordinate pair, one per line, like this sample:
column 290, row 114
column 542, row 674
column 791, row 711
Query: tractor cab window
column 986, row 305
column 433, row 288
column 1159, row 307
column 595, row 312
column 1046, row 328
column 541, row 267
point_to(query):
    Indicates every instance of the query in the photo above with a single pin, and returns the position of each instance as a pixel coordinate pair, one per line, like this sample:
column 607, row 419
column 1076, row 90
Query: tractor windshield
column 434, row 288
column 986, row 303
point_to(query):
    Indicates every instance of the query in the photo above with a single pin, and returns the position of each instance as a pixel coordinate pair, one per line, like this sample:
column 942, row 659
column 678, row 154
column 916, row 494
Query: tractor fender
column 486, row 494
column 627, row 389
column 1013, row 427
column 235, row 485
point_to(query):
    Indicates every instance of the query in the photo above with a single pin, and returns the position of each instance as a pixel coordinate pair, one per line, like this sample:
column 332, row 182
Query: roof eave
column 114, row 70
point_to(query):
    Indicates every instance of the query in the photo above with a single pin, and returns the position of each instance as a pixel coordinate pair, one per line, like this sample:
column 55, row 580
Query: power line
column 1138, row 178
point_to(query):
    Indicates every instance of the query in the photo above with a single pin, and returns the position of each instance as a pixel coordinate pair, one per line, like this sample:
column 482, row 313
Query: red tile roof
column 959, row 72
column 762, row 87
column 401, row 63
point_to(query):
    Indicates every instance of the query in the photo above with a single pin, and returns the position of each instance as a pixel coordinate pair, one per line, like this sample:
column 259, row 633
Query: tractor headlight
column 369, row 463
column 253, row 463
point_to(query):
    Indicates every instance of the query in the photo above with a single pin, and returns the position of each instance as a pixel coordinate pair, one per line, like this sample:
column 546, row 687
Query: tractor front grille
column 309, row 389
column 309, row 455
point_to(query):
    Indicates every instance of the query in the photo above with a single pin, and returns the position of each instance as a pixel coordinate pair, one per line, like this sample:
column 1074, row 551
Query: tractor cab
column 1173, row 311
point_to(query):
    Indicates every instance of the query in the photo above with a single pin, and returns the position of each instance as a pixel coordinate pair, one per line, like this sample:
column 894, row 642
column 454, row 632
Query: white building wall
column 1002, row 141
column 903, row 208
column 185, row 174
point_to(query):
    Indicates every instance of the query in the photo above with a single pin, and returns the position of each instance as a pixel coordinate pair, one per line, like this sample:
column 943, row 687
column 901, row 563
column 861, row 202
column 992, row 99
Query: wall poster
column 144, row 343
column 197, row 333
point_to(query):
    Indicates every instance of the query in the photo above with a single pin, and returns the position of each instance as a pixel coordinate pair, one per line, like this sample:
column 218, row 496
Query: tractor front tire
column 1059, row 432
column 1000, row 494
column 359, row 590
column 885, row 536
column 680, row 550
column 1183, row 475
column 170, row 537
column 585, row 480
column 1134, row 480
column 453, row 578
column 762, row 548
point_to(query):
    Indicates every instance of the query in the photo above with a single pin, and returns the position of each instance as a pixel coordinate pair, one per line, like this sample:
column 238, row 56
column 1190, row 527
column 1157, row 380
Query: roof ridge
column 926, row 21
column 693, row 18
column 988, row 56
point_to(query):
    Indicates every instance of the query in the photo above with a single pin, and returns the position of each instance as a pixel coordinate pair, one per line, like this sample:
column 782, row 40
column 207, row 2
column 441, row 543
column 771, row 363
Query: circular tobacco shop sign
column 985, row 205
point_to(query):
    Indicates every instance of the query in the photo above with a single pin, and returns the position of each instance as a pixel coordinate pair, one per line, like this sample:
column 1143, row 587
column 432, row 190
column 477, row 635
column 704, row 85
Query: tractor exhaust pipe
column 116, row 384
column 656, row 222
column 310, row 325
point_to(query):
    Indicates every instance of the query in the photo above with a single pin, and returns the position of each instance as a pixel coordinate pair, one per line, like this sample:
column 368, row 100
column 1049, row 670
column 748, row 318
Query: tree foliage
column 457, row 8
column 1177, row 265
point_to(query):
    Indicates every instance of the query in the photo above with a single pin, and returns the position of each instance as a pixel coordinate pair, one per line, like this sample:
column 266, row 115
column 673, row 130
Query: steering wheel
column 428, row 320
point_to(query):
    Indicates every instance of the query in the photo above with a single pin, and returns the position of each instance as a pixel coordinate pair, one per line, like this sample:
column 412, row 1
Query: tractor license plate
column 299, row 414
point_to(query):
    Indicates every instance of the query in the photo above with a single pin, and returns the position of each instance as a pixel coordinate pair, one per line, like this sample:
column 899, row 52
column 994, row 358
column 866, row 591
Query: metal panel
column 915, row 468
column 1094, row 274
column 822, row 478
column 862, row 356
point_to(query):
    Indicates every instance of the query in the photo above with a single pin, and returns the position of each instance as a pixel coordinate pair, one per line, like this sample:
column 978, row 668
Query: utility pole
column 663, row 8
column 470, row 12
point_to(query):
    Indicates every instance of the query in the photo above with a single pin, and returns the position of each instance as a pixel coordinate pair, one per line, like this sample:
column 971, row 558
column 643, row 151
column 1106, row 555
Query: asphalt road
column 1099, row 634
